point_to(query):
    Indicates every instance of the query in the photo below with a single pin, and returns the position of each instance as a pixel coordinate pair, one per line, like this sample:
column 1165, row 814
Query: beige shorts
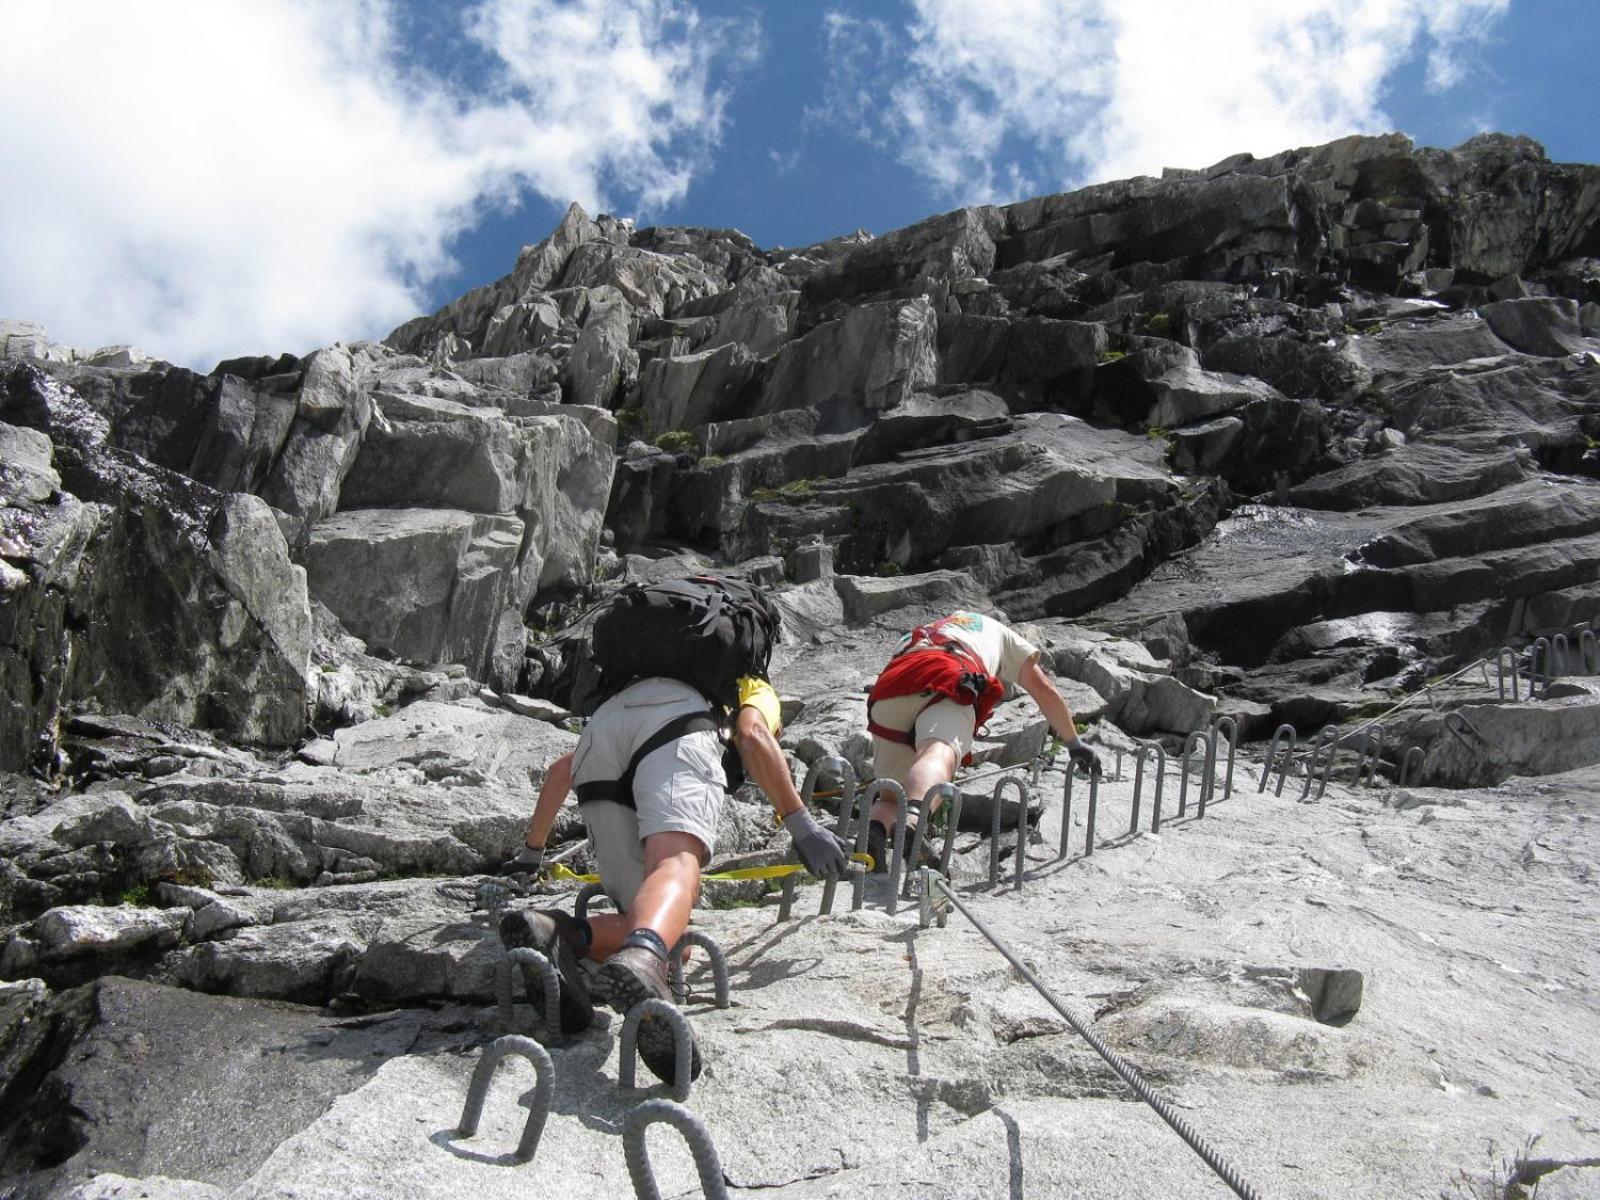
column 943, row 721
column 677, row 788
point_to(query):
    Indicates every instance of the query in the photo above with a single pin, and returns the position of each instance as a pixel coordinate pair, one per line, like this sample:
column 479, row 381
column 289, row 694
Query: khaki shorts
column 943, row 721
column 678, row 788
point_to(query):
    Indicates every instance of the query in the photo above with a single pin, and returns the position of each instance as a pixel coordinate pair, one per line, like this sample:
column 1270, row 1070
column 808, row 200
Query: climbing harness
column 932, row 881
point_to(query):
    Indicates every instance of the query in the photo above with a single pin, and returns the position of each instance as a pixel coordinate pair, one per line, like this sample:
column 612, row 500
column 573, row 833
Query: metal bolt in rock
column 637, row 1154
column 1561, row 654
column 841, row 770
column 682, row 1041
column 1327, row 745
column 1217, row 727
column 994, row 834
column 544, row 1088
column 858, row 878
column 1004, row 783
column 1464, row 731
column 1589, row 652
column 1094, row 805
column 1539, row 668
column 1284, row 735
column 950, row 795
column 1503, row 656
column 786, row 897
column 718, row 960
column 588, row 892
column 1138, row 778
column 1197, row 738
column 1066, row 815
column 1411, row 760
column 534, row 966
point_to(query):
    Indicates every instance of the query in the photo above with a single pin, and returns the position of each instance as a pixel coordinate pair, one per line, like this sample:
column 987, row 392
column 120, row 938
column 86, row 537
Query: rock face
column 133, row 589
column 1308, row 439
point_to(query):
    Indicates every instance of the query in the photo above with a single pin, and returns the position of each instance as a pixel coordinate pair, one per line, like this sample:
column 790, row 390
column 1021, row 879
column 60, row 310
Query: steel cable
column 1129, row 1073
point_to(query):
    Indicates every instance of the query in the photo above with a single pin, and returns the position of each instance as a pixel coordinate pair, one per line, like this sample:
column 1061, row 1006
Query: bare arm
column 552, row 795
column 821, row 851
column 763, row 760
column 1036, row 683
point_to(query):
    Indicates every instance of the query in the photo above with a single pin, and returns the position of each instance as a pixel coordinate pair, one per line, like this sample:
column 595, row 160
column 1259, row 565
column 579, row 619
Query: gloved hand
column 527, row 861
column 820, row 849
column 1080, row 754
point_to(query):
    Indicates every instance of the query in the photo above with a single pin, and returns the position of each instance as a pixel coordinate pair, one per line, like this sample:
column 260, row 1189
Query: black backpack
column 705, row 632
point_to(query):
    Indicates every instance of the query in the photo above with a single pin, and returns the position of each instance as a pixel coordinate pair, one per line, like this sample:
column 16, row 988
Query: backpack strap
column 620, row 789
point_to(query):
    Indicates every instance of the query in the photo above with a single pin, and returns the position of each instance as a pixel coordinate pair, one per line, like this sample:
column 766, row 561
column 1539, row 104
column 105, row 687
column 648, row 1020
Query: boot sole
column 657, row 1046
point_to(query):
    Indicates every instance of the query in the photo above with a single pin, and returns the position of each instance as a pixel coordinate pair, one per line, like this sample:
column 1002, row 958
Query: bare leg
column 935, row 763
column 671, row 884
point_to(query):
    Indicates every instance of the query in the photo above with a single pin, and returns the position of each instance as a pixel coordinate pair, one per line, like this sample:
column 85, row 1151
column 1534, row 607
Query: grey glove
column 1080, row 754
column 527, row 861
column 823, row 854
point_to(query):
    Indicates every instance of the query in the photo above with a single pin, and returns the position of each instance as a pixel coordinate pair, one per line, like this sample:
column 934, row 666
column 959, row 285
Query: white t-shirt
column 1002, row 650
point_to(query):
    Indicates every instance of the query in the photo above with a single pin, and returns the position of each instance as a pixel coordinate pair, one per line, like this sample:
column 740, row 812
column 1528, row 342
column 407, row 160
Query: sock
column 647, row 939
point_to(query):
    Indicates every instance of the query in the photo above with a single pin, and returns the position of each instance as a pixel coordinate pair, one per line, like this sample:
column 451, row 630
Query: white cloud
column 990, row 101
column 214, row 177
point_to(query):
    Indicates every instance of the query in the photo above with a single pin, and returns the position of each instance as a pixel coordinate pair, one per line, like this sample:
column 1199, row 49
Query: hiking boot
column 631, row 976
column 558, row 936
column 879, row 844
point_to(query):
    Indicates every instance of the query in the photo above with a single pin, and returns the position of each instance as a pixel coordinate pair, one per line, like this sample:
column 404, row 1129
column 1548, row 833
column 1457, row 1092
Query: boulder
column 90, row 930
column 177, row 603
column 1547, row 326
column 245, row 429
column 866, row 597
column 331, row 413
column 417, row 583
column 465, row 322
column 1198, row 448
column 873, row 357
column 1411, row 474
column 602, row 361
column 1438, row 341
column 1136, row 693
column 955, row 245
column 1045, row 363
column 1163, row 386
column 1499, row 740
column 682, row 392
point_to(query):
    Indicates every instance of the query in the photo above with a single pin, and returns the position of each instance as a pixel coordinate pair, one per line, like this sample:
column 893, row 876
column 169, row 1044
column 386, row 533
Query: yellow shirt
column 759, row 695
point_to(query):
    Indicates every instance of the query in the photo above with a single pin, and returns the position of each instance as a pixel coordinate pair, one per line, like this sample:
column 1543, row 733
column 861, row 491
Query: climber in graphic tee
column 939, row 688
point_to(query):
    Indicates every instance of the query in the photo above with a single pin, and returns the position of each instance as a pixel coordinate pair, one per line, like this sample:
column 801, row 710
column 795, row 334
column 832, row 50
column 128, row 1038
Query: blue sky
column 219, row 177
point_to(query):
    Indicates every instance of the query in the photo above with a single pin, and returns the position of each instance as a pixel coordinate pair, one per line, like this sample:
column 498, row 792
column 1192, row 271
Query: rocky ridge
column 1295, row 439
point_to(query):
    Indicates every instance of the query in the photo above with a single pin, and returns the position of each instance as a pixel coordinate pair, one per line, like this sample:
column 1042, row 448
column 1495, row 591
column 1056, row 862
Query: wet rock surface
column 286, row 648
